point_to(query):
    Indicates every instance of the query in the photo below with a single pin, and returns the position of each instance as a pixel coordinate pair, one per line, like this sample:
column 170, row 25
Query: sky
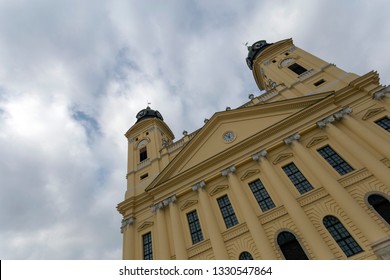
column 74, row 74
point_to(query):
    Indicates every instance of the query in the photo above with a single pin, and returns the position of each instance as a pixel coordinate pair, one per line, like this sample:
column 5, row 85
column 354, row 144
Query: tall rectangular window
column 227, row 211
column 143, row 154
column 195, row 229
column 147, row 246
column 336, row 161
column 297, row 178
column 262, row 197
column 297, row 69
column 384, row 123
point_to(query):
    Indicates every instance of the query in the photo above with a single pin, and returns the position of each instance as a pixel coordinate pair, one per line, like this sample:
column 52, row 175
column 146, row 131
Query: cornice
column 139, row 127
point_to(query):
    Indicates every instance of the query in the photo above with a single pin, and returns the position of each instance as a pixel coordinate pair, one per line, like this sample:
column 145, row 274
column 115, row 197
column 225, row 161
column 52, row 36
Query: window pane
column 384, row 123
column 297, row 178
column 381, row 205
column 337, row 162
column 147, row 245
column 296, row 68
column 341, row 235
column 290, row 247
column 227, row 211
column 245, row 256
column 194, row 225
column 262, row 197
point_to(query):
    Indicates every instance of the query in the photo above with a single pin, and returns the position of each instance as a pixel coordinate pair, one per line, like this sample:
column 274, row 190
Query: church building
column 298, row 172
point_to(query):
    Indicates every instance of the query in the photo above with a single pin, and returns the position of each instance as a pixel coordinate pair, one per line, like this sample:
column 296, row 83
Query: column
column 127, row 229
column 162, row 234
column 177, row 232
column 359, row 217
column 377, row 143
column 259, row 236
column 370, row 137
column 215, row 235
column 294, row 209
column 380, row 171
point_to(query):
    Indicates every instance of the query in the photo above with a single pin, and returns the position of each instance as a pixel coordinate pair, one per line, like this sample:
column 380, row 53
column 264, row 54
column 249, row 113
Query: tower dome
column 254, row 50
column 148, row 113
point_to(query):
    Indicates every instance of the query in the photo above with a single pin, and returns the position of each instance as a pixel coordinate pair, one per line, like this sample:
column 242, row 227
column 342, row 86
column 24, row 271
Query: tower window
column 297, row 178
column 227, row 211
column 341, row 235
column 297, row 69
column 245, row 256
column 143, row 176
column 320, row 82
column 381, row 206
column 262, row 197
column 195, row 229
column 143, row 154
column 384, row 123
column 290, row 246
column 336, row 161
column 147, row 246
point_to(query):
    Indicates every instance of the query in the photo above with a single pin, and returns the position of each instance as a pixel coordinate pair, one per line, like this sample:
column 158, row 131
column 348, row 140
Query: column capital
column 259, row 155
column 382, row 93
column 229, row 170
column 127, row 222
column 160, row 205
column 336, row 116
column 198, row 186
column 292, row 138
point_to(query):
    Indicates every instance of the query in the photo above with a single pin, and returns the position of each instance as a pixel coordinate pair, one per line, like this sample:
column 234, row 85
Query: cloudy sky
column 73, row 75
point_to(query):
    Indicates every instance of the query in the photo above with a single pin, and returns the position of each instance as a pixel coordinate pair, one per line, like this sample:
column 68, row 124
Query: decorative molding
column 218, row 189
column 292, row 138
column 381, row 94
column 354, row 177
column 229, row 170
column 160, row 205
column 249, row 173
column 199, row 248
column 315, row 140
column 145, row 225
column 259, row 155
column 312, row 196
column 282, row 157
column 235, row 231
column 127, row 222
column 382, row 248
column 386, row 162
column 188, row 204
column 273, row 214
column 336, row 116
column 372, row 112
column 198, row 186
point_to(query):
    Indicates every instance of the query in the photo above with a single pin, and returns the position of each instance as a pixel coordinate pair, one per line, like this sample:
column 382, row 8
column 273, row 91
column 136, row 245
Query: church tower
column 290, row 72
column 146, row 138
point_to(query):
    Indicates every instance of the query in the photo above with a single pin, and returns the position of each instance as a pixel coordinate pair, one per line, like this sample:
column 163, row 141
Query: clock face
column 228, row 136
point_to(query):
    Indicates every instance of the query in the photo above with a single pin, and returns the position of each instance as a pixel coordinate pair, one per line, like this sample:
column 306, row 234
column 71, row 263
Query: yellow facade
column 299, row 172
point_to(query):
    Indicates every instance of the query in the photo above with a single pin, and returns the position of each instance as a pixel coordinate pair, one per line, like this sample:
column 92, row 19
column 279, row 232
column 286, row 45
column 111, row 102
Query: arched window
column 381, row 205
column 290, row 246
column 341, row 235
column 245, row 256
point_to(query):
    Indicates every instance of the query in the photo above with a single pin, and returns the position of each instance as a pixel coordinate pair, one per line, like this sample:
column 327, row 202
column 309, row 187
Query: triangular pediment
column 282, row 157
column 249, row 174
column 372, row 112
column 218, row 189
column 145, row 225
column 242, row 125
column 188, row 204
column 316, row 140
